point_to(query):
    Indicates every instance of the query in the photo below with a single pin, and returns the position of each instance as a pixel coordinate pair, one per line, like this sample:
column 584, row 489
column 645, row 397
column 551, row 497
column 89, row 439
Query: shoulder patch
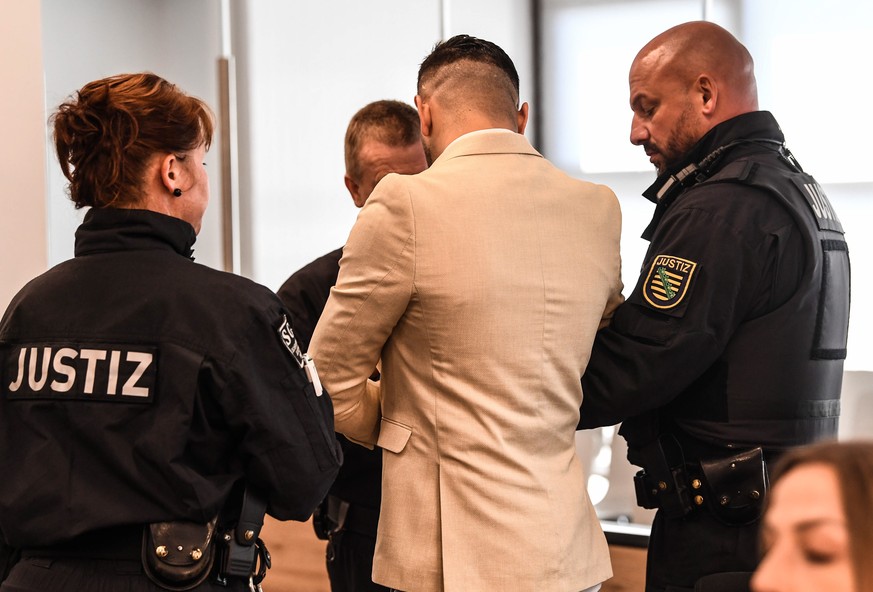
column 286, row 335
column 668, row 281
column 824, row 213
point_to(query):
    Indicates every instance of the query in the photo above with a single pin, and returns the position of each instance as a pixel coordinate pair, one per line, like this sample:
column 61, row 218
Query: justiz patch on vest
column 668, row 281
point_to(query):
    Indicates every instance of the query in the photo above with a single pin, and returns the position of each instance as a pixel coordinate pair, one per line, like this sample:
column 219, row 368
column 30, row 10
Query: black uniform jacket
column 138, row 386
column 304, row 294
column 724, row 258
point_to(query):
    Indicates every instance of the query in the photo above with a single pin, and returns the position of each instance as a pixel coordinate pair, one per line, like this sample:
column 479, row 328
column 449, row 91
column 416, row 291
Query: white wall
column 91, row 39
column 304, row 68
column 804, row 52
column 22, row 150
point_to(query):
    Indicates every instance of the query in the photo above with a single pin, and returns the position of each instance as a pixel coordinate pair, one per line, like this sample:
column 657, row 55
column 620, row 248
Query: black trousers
column 53, row 574
column 350, row 563
column 683, row 550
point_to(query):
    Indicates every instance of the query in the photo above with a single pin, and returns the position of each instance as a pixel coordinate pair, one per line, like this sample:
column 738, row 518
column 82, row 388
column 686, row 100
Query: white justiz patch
column 78, row 371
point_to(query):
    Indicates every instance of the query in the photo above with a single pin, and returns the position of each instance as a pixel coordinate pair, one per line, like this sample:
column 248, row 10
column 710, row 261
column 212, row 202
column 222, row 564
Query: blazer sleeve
column 615, row 297
column 372, row 292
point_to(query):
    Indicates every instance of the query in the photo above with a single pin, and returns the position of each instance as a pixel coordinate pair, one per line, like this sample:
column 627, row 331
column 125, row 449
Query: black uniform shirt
column 138, row 386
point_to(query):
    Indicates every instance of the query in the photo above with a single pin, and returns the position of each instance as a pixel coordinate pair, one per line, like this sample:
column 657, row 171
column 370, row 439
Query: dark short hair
column 393, row 123
column 107, row 132
column 466, row 47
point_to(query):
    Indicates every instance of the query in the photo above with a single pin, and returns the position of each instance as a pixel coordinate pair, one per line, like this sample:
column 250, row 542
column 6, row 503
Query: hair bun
column 106, row 134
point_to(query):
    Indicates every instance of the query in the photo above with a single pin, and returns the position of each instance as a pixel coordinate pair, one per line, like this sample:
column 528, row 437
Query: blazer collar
column 489, row 141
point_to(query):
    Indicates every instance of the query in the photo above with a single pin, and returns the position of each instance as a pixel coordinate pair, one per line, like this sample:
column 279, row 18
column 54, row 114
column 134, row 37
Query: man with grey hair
column 480, row 284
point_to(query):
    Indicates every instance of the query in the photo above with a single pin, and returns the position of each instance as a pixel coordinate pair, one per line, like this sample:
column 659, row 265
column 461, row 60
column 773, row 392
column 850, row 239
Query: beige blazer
column 480, row 284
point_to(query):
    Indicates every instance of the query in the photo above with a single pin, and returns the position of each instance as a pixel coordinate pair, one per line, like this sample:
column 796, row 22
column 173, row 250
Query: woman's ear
column 169, row 172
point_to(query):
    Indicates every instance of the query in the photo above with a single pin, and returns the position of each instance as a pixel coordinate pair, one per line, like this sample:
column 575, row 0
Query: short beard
column 678, row 145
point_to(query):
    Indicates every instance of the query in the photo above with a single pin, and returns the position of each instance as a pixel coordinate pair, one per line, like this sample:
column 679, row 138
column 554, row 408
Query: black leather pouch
column 734, row 487
column 178, row 555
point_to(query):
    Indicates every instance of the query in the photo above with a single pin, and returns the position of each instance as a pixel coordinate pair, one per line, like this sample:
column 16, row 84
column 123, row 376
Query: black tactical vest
column 790, row 394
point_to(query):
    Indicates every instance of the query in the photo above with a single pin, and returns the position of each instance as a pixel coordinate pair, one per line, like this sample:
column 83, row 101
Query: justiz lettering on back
column 53, row 371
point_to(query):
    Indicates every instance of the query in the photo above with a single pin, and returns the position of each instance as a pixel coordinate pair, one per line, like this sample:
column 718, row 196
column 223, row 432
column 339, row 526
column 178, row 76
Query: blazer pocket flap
column 393, row 436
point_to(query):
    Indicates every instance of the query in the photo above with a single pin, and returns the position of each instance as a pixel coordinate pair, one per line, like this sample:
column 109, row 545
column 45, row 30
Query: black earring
column 177, row 192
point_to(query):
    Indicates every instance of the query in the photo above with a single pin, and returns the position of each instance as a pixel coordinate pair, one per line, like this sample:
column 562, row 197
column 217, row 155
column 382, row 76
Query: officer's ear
column 355, row 191
column 707, row 90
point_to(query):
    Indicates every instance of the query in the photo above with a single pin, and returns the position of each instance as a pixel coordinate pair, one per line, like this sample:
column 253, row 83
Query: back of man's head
column 393, row 123
column 471, row 77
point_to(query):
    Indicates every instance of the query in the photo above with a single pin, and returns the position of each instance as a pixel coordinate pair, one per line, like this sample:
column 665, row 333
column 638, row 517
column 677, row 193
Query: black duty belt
column 115, row 543
column 732, row 487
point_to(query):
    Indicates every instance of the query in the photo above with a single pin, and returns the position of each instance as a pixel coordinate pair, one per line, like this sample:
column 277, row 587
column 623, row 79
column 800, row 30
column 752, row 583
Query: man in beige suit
column 480, row 284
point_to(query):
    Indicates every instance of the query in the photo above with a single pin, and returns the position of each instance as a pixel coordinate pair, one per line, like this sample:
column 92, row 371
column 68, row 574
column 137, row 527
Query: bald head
column 699, row 48
column 683, row 83
column 466, row 84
